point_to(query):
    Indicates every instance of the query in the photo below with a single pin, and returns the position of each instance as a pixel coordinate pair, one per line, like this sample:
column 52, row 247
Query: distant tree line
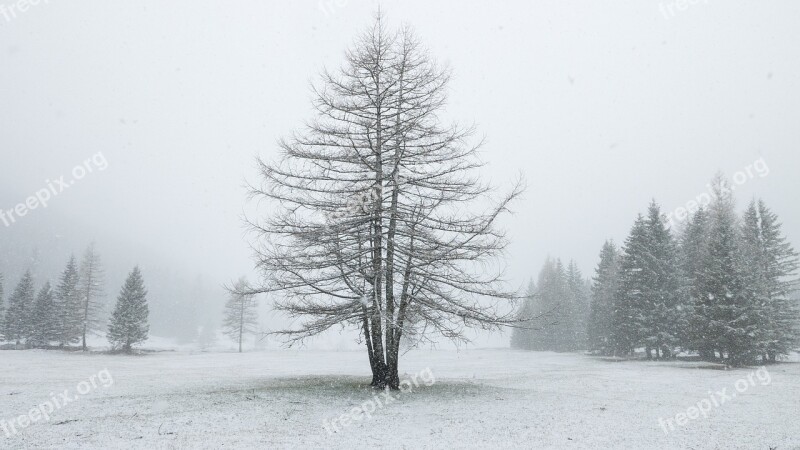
column 561, row 297
column 62, row 316
column 721, row 287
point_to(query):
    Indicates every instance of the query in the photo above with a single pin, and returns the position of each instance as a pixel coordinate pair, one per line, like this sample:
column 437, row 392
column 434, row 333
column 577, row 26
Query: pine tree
column 129, row 321
column 725, row 315
column 91, row 293
column 577, row 308
column 68, row 304
column 560, row 300
column 693, row 245
column 663, row 315
column 19, row 313
column 521, row 336
column 44, row 318
column 241, row 315
column 754, row 280
column 771, row 278
column 549, row 300
column 604, row 289
column 780, row 266
column 627, row 315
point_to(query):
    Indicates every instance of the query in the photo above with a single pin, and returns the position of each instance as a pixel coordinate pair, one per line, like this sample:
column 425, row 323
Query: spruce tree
column 129, row 321
column 627, row 316
column 693, row 245
column 90, row 288
column 662, row 313
column 521, row 336
column 44, row 318
column 780, row 267
column 577, row 308
column 726, row 316
column 754, row 281
column 771, row 278
column 604, row 289
column 68, row 304
column 19, row 313
column 560, row 299
column 241, row 315
column 549, row 300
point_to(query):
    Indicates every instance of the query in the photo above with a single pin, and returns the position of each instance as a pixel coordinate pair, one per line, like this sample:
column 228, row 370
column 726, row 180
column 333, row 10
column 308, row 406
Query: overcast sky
column 601, row 105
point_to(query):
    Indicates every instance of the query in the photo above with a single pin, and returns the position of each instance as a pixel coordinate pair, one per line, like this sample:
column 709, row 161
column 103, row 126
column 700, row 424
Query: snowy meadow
column 480, row 398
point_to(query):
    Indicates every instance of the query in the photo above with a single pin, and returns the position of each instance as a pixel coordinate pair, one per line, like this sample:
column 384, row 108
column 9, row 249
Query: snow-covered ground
column 480, row 398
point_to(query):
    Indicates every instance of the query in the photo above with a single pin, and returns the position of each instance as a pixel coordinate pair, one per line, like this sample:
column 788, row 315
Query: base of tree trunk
column 384, row 376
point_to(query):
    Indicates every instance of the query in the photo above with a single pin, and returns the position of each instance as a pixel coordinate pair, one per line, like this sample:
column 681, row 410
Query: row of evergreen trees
column 560, row 299
column 720, row 287
column 71, row 310
column 65, row 314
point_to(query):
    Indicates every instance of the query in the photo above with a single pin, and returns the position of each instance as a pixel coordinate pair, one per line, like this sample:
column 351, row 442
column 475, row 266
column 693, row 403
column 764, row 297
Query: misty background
column 602, row 108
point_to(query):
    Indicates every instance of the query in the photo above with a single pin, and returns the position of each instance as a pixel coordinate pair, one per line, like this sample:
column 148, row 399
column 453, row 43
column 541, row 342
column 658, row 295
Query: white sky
column 602, row 106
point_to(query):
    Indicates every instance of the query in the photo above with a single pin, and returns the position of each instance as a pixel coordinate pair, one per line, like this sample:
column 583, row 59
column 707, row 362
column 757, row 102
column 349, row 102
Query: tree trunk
column 392, row 375
column 370, row 350
column 392, row 378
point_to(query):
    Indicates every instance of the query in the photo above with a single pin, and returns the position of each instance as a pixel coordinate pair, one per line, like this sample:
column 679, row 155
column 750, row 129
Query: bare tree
column 411, row 258
column 90, row 289
column 241, row 315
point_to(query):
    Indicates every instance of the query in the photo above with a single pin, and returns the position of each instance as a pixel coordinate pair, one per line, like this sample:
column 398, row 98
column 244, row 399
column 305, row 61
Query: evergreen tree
column 129, row 321
column 521, row 336
column 771, row 278
column 560, row 299
column 754, row 281
column 68, row 304
column 18, row 315
column 650, row 307
column 604, row 289
column 90, row 288
column 549, row 300
column 577, row 308
column 725, row 313
column 693, row 245
column 241, row 315
column 780, row 268
column 627, row 315
column 44, row 318
column 663, row 315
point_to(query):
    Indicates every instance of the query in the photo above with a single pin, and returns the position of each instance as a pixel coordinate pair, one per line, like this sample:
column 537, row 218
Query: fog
column 601, row 108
